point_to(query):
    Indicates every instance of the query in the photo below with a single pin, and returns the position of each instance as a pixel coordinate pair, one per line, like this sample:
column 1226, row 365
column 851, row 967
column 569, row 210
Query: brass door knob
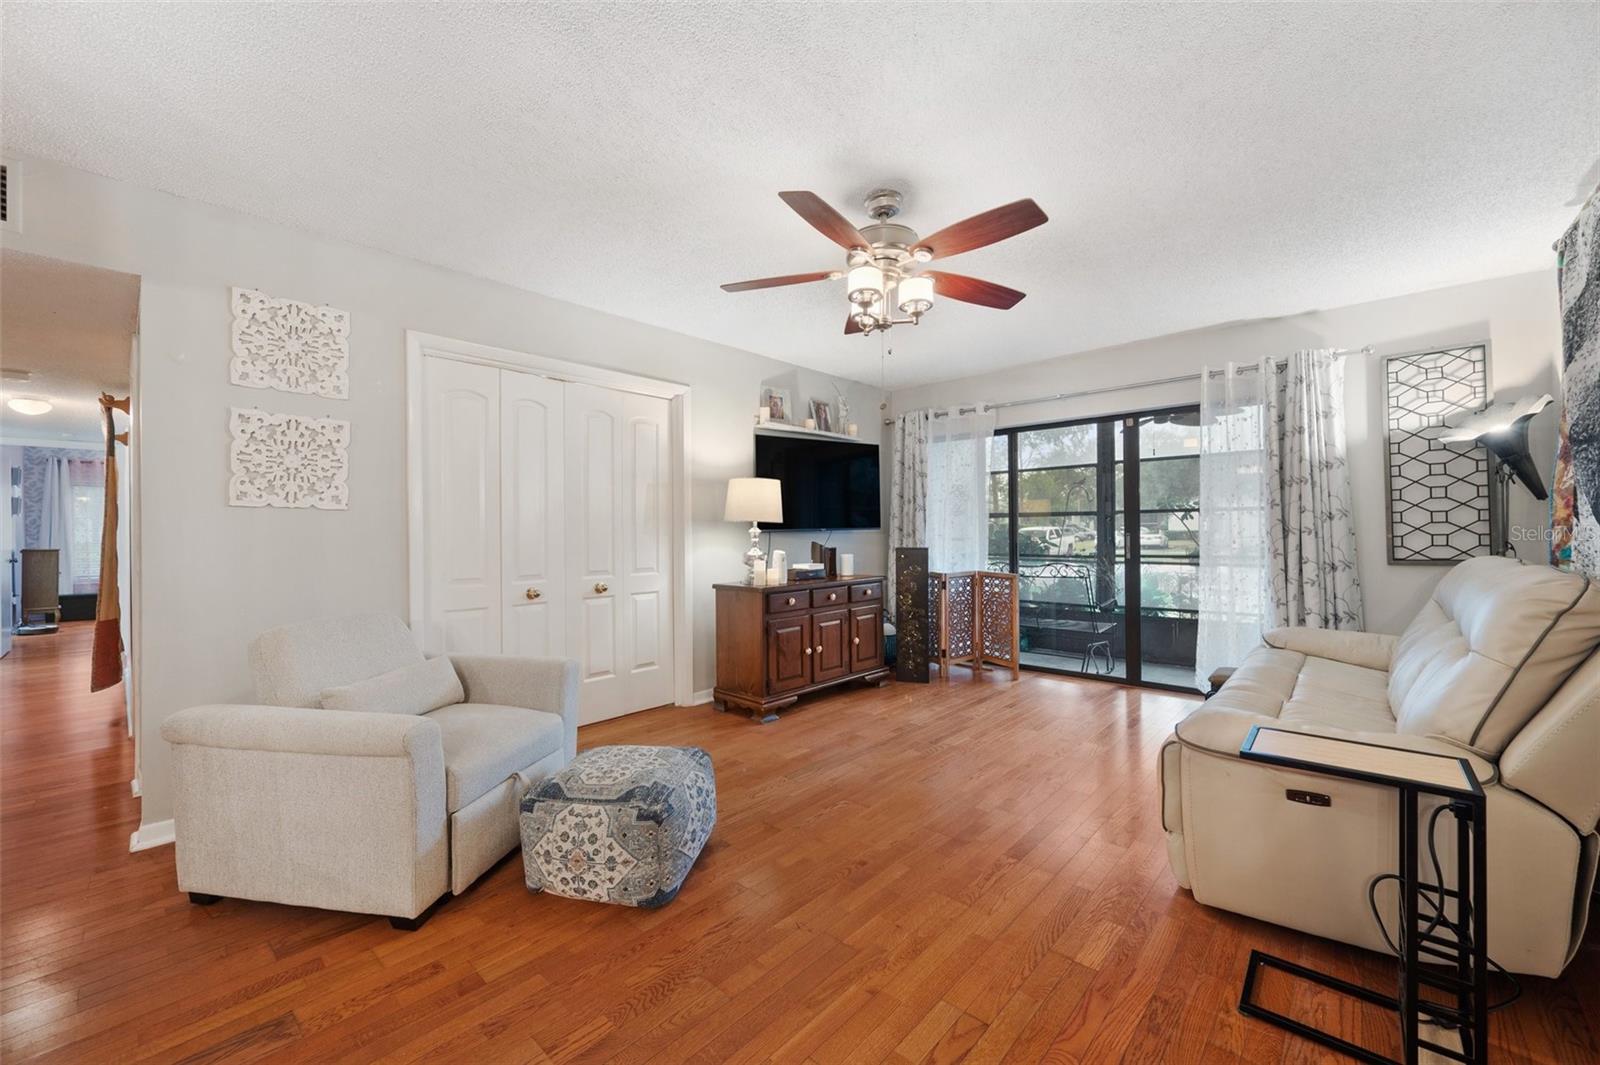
column 533, row 593
column 600, row 589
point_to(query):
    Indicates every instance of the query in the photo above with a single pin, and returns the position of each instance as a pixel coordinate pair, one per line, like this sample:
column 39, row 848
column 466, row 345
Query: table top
column 854, row 578
column 1439, row 773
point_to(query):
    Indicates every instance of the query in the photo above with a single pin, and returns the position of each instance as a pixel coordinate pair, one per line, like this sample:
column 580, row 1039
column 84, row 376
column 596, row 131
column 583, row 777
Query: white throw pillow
column 408, row 690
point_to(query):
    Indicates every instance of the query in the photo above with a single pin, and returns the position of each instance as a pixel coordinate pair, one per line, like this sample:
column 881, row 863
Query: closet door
column 461, row 540
column 619, row 542
column 532, row 538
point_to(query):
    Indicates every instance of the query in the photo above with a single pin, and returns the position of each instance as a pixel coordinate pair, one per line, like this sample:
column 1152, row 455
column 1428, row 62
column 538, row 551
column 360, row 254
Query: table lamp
column 754, row 499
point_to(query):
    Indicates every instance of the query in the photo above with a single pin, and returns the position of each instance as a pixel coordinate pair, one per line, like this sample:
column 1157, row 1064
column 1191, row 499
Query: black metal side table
column 1453, row 946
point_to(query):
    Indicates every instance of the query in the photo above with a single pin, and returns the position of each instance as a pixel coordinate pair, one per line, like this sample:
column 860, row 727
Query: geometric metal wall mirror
column 289, row 345
column 1438, row 494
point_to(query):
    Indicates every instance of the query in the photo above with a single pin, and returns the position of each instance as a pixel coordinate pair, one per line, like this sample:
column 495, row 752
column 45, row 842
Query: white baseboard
column 146, row 836
column 134, row 784
column 700, row 698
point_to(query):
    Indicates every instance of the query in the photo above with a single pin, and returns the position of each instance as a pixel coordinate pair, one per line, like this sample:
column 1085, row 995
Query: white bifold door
column 547, row 528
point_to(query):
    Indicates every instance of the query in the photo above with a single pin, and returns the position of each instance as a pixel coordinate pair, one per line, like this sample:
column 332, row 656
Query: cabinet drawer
column 787, row 601
column 872, row 591
column 824, row 597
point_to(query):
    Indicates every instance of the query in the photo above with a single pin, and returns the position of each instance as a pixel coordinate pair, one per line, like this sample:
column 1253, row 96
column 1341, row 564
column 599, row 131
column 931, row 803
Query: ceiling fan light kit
column 883, row 260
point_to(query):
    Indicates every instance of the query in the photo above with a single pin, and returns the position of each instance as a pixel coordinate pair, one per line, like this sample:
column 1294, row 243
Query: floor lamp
column 1502, row 428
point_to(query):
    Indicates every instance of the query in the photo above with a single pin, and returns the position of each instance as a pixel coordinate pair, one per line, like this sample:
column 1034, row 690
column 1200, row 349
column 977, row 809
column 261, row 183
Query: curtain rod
column 1247, row 368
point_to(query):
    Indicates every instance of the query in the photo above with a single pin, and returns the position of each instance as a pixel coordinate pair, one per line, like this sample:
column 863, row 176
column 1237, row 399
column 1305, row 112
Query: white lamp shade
column 864, row 285
column 915, row 294
column 754, row 499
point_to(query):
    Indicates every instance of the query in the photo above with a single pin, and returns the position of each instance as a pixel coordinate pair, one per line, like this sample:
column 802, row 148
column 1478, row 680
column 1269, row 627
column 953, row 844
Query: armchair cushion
column 414, row 689
column 486, row 744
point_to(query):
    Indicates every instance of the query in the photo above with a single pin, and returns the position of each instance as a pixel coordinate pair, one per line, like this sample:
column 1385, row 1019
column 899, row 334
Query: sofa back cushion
column 414, row 689
column 295, row 663
column 1489, row 649
column 1556, row 757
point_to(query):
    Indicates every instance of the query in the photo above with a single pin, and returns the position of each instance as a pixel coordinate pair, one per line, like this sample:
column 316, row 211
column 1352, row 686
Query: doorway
column 1099, row 518
column 68, row 341
column 549, row 518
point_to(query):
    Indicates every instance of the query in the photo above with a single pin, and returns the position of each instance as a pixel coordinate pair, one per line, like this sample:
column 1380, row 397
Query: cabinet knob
column 867, row 593
column 533, row 593
column 856, row 639
column 808, row 650
column 832, row 596
column 819, row 648
column 791, row 601
column 601, row 589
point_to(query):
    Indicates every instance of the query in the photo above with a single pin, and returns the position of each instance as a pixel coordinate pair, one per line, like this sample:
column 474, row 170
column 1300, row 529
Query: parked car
column 1156, row 538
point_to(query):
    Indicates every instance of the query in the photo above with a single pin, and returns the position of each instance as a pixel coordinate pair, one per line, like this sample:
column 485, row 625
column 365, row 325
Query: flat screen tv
column 827, row 484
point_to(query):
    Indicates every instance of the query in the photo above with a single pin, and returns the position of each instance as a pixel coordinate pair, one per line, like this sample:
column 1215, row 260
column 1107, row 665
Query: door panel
column 533, row 559
column 830, row 637
column 866, row 638
column 461, row 475
column 789, row 653
column 619, row 521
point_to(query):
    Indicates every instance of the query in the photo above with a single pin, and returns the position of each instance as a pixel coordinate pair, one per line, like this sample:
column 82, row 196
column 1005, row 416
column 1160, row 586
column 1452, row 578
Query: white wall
column 213, row 576
column 1518, row 316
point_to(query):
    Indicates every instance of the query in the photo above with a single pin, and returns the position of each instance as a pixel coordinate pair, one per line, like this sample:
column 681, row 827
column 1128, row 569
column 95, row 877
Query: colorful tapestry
column 1575, row 498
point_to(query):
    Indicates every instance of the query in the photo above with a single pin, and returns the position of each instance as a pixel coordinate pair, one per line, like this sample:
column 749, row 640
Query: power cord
column 1438, row 917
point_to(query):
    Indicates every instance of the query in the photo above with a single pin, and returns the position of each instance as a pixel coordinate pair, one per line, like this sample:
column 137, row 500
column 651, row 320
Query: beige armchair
column 1499, row 667
column 378, row 811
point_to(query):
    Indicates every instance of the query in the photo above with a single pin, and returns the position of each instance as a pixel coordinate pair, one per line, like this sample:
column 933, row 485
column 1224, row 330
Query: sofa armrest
column 549, row 684
column 291, row 730
column 1221, row 731
column 1372, row 650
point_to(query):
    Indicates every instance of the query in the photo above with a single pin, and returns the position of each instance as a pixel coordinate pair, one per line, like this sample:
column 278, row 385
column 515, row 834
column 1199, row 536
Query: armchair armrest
column 341, row 810
column 291, row 730
column 1373, row 650
column 549, row 684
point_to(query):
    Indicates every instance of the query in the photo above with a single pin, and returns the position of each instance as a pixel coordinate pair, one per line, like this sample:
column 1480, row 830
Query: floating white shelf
column 786, row 429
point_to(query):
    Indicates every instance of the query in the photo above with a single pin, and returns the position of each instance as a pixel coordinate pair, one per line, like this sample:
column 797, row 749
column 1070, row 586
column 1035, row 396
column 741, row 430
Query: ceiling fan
column 883, row 264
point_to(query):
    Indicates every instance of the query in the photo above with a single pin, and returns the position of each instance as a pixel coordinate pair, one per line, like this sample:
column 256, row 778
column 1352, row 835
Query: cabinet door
column 789, row 653
column 831, row 637
column 866, row 638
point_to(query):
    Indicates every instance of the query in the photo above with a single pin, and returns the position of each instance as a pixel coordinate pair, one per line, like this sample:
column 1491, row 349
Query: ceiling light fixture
column 883, row 260
column 29, row 406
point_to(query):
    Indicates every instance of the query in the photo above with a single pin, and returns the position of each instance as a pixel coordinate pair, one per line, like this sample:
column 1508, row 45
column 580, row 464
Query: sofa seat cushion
column 1339, row 695
column 485, row 744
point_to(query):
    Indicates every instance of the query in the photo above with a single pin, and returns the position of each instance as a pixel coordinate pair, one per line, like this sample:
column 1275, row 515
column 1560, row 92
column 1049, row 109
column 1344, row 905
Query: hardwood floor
column 969, row 871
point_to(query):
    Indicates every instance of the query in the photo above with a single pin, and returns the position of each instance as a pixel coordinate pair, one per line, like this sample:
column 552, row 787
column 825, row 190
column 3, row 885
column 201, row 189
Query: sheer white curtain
column 939, row 488
column 1235, row 588
column 958, row 490
column 1277, row 534
column 55, row 518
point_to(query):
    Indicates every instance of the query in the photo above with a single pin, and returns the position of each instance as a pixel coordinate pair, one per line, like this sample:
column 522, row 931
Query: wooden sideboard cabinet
column 777, row 643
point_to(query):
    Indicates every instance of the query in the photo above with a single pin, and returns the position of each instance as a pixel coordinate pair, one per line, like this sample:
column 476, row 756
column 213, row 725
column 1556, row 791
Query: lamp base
column 754, row 558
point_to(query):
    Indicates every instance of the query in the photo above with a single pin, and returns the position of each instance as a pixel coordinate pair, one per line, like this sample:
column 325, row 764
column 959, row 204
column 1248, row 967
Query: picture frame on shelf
column 822, row 412
column 778, row 403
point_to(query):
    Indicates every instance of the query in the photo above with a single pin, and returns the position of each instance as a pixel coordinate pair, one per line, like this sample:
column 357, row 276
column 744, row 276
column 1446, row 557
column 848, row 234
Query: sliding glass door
column 1098, row 520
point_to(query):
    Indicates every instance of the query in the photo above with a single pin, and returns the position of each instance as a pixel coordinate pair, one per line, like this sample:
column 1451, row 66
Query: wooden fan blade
column 984, row 229
column 825, row 219
column 974, row 290
column 774, row 282
column 850, row 324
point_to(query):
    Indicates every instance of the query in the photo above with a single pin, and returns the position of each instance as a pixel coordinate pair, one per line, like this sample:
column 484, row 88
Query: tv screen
column 827, row 484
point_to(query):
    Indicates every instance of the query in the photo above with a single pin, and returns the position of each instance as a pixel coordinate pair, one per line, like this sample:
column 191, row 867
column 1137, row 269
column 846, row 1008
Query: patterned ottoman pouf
column 620, row 824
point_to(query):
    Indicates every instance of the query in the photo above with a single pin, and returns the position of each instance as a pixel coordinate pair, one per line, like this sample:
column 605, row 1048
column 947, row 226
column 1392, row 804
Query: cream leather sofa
column 372, row 812
column 1501, row 667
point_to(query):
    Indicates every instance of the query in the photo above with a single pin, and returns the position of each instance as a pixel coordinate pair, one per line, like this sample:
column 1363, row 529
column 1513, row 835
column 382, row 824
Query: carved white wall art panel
column 284, row 460
column 289, row 346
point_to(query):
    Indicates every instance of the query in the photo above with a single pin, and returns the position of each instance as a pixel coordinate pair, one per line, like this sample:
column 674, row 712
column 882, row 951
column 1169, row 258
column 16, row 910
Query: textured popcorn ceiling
column 1200, row 163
